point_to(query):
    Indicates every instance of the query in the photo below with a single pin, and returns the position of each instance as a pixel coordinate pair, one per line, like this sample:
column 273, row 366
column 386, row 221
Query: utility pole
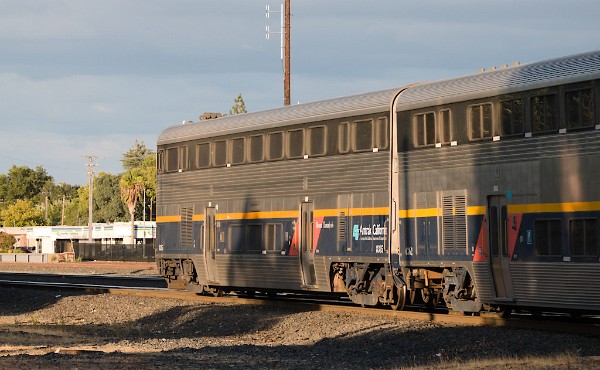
column 285, row 45
column 90, row 170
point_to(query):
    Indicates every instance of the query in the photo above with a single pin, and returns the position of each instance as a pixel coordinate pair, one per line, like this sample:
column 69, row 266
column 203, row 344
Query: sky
column 81, row 78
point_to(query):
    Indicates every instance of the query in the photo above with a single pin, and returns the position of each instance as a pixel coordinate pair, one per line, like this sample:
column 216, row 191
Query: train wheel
column 399, row 298
column 427, row 297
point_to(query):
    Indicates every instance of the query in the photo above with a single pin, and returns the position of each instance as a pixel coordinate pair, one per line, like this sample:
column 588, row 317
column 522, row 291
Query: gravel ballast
column 66, row 330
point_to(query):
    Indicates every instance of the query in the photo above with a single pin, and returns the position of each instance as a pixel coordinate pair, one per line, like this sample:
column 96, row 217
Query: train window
column 584, row 237
column 445, row 127
column 256, row 148
column 424, row 128
column 238, row 150
column 220, row 153
column 512, row 118
column 295, row 143
column 316, row 141
column 203, row 155
column 173, row 159
column 183, row 157
column 235, row 238
column 362, row 135
column 480, row 121
column 580, row 108
column 548, row 238
column 381, row 133
column 544, row 113
column 344, row 137
column 275, row 145
column 160, row 157
column 254, row 238
column 273, row 237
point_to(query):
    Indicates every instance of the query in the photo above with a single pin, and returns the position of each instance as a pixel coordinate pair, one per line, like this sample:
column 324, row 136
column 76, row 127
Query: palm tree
column 131, row 184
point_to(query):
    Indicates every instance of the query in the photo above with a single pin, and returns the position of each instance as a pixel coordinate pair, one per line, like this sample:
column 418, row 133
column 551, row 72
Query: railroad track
column 156, row 287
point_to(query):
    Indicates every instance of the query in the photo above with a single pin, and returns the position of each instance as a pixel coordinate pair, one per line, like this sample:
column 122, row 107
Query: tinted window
column 183, row 156
column 544, row 114
column 316, row 141
column 584, row 237
column 220, row 153
column 548, row 238
column 238, row 150
column 236, row 238
column 363, row 135
column 203, row 155
column 256, row 148
column 275, row 145
column 512, row 118
column 344, row 137
column 381, row 133
column 480, row 121
column 424, row 127
column 273, row 240
column 172, row 159
column 296, row 143
column 160, row 157
column 446, row 136
column 254, row 237
column 580, row 108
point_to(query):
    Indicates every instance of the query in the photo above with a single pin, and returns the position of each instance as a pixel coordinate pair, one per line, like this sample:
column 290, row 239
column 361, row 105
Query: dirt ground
column 53, row 329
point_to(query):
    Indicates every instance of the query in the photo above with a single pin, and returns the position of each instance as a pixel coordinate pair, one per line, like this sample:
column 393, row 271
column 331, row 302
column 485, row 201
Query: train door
column 307, row 263
column 498, row 242
column 210, row 244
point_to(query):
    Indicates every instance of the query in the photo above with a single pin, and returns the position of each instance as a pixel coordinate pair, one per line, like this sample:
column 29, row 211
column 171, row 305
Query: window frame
column 532, row 111
column 420, row 126
column 269, row 136
column 231, row 149
column 344, row 136
column 199, row 165
column 309, row 145
column 288, row 141
column 214, row 153
column 250, row 148
column 500, row 129
column 581, row 114
column 482, row 121
column 354, row 135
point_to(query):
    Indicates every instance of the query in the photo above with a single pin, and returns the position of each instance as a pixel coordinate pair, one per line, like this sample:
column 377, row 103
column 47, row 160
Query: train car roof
column 373, row 102
column 569, row 69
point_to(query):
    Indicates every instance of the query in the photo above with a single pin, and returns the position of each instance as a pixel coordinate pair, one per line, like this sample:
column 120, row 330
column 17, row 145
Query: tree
column 108, row 207
column 238, row 106
column 148, row 172
column 131, row 185
column 135, row 156
column 23, row 183
column 22, row 213
column 7, row 240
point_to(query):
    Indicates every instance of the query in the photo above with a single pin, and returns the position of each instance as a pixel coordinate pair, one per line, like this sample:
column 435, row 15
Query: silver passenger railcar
column 480, row 193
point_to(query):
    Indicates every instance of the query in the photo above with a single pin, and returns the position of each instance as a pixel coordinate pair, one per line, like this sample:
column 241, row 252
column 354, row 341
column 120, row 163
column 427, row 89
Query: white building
column 59, row 239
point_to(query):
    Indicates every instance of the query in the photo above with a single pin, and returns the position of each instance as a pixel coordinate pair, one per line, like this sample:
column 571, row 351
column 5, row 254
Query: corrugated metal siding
column 483, row 281
column 567, row 285
column 504, row 151
column 353, row 173
column 528, row 76
column 367, row 103
column 265, row 271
